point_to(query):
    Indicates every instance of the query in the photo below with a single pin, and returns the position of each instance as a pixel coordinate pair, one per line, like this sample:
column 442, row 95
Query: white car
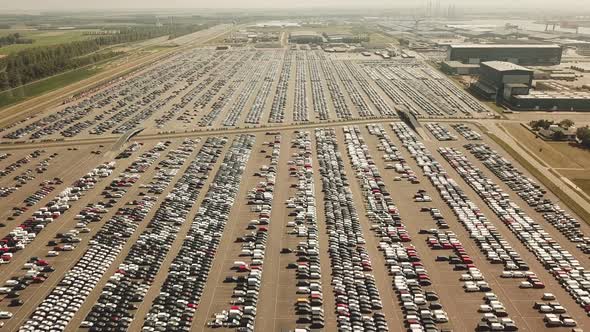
column 5, row 314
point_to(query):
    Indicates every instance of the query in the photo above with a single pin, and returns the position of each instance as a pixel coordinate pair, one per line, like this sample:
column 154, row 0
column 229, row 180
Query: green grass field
column 35, row 89
column 43, row 38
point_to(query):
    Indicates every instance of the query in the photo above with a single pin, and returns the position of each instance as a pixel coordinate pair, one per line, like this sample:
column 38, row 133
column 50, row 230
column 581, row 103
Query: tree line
column 582, row 133
column 36, row 63
column 14, row 38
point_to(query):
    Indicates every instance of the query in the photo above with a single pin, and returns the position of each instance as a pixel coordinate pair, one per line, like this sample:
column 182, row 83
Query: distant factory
column 522, row 54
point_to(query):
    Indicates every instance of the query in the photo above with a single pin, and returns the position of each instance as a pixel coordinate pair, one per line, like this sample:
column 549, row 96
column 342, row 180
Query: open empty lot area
column 278, row 190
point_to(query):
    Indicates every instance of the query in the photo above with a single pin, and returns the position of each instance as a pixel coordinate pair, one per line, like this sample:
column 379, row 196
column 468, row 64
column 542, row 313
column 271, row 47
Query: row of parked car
column 466, row 131
column 532, row 193
column 494, row 312
column 356, row 97
column 235, row 75
column 202, row 71
column 247, row 275
column 72, row 119
column 141, row 93
column 410, row 277
column 380, row 104
column 458, row 98
column 320, row 103
column 491, row 243
column 358, row 302
column 392, row 155
column 439, row 132
column 258, row 106
column 135, row 275
column 25, row 233
column 167, row 82
column 251, row 83
column 414, row 91
column 279, row 101
column 336, row 94
column 47, row 188
column 568, row 271
column 221, row 77
column 300, row 112
column 26, row 176
column 200, row 83
column 59, row 307
column 390, row 90
column 304, row 225
column 21, row 162
column 180, row 294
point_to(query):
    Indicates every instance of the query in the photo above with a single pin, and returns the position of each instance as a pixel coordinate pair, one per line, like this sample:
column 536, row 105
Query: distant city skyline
column 497, row 5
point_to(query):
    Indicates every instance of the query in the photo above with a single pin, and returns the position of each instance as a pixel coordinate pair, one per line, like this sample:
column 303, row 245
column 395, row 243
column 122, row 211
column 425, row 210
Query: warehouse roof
column 505, row 46
column 504, row 66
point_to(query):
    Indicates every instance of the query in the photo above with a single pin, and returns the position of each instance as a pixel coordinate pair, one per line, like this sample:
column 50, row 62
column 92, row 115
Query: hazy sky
column 150, row 4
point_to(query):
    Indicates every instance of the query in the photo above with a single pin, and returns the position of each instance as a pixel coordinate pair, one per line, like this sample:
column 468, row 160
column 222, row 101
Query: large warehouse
column 499, row 79
column 526, row 55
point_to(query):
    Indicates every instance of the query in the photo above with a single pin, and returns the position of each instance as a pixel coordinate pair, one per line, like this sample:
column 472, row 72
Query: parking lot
column 296, row 275
column 206, row 88
column 311, row 225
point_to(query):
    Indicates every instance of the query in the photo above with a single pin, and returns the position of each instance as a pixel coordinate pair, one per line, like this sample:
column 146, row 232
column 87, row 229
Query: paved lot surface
column 204, row 92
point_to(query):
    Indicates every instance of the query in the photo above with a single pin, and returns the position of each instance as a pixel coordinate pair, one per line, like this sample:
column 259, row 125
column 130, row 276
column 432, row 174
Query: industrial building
column 458, row 68
column 511, row 84
column 551, row 101
column 500, row 80
column 305, row 37
column 526, row 55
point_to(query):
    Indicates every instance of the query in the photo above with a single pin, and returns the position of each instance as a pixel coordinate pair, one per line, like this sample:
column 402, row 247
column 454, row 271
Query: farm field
column 37, row 88
column 43, row 38
column 280, row 190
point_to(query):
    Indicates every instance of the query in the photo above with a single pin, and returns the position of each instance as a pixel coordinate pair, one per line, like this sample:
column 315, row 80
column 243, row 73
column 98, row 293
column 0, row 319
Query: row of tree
column 545, row 124
column 14, row 38
column 39, row 62
column 582, row 133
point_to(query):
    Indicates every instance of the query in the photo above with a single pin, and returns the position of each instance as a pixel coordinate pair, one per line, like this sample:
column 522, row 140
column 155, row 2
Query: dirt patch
column 584, row 184
column 574, row 152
